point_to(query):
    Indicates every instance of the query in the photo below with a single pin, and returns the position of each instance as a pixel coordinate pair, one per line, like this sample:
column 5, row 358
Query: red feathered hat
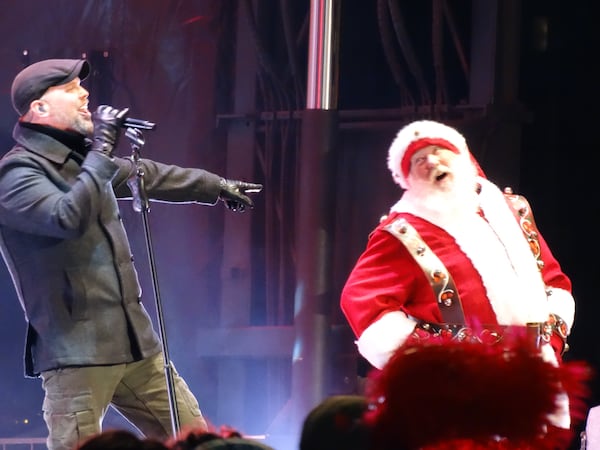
column 462, row 395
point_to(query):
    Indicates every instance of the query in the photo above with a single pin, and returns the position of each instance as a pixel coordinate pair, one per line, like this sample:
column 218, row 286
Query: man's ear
column 40, row 106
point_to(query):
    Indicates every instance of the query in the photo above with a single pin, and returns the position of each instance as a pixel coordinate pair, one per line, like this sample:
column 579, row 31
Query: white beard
column 455, row 199
column 496, row 246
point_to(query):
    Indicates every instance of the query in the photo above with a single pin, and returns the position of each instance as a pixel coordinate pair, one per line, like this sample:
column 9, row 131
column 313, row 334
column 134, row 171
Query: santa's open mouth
column 441, row 176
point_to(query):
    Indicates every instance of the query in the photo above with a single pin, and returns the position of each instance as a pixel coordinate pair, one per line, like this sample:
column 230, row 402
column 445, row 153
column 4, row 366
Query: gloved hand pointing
column 233, row 193
column 107, row 128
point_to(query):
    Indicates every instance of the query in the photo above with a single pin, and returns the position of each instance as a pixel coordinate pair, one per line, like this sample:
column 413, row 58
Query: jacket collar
column 54, row 145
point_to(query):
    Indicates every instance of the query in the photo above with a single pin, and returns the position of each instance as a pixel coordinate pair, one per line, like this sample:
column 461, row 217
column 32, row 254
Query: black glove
column 233, row 193
column 107, row 128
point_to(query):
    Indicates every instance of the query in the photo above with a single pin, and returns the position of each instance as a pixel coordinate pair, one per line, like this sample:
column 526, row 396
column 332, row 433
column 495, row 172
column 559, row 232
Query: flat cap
column 34, row 80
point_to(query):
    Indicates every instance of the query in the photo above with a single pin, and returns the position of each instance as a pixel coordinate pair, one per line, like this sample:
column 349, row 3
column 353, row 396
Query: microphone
column 139, row 124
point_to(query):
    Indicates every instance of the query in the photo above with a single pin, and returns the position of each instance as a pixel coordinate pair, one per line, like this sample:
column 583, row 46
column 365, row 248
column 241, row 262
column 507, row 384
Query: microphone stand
column 141, row 205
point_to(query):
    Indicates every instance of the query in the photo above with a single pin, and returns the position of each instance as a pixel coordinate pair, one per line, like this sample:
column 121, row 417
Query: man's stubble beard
column 73, row 122
column 83, row 126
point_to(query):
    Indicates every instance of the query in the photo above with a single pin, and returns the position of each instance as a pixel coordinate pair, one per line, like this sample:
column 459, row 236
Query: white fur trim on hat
column 415, row 131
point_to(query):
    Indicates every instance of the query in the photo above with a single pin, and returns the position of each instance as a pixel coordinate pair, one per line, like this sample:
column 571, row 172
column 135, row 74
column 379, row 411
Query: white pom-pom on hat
column 418, row 135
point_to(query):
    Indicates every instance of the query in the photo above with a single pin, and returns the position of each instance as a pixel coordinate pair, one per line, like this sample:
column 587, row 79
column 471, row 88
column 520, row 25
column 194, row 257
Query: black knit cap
column 34, row 80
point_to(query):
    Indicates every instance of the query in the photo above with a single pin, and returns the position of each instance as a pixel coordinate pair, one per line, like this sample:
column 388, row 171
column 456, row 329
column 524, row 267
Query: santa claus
column 455, row 257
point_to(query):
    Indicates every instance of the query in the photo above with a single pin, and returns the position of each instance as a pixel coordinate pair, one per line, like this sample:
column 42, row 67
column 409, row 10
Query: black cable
column 408, row 52
column 437, row 45
column 456, row 39
column 385, row 34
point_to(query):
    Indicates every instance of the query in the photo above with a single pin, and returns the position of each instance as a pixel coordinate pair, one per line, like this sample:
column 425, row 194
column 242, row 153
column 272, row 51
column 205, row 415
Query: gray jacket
column 64, row 244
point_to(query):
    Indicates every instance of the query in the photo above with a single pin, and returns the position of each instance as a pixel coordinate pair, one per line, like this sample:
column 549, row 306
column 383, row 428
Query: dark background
column 227, row 88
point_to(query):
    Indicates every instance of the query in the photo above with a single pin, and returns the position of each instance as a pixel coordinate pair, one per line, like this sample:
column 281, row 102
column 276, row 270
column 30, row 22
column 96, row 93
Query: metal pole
column 321, row 92
column 141, row 204
column 315, row 214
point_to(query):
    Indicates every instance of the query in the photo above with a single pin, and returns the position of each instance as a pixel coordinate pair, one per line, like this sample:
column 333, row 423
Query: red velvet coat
column 387, row 280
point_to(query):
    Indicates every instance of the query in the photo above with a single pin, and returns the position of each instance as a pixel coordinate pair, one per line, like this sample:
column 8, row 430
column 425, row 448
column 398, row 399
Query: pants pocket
column 69, row 421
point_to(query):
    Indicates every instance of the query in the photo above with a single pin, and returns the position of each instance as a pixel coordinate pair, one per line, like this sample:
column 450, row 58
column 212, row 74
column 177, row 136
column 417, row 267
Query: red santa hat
column 418, row 135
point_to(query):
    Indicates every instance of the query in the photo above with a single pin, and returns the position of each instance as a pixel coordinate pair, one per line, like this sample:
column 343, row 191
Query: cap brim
column 84, row 70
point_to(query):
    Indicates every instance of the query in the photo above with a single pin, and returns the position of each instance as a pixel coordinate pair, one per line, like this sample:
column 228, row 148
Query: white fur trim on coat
column 380, row 339
column 498, row 251
column 561, row 417
column 562, row 303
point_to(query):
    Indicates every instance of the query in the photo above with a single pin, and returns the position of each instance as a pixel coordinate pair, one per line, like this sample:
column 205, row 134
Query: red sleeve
column 551, row 272
column 384, row 279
